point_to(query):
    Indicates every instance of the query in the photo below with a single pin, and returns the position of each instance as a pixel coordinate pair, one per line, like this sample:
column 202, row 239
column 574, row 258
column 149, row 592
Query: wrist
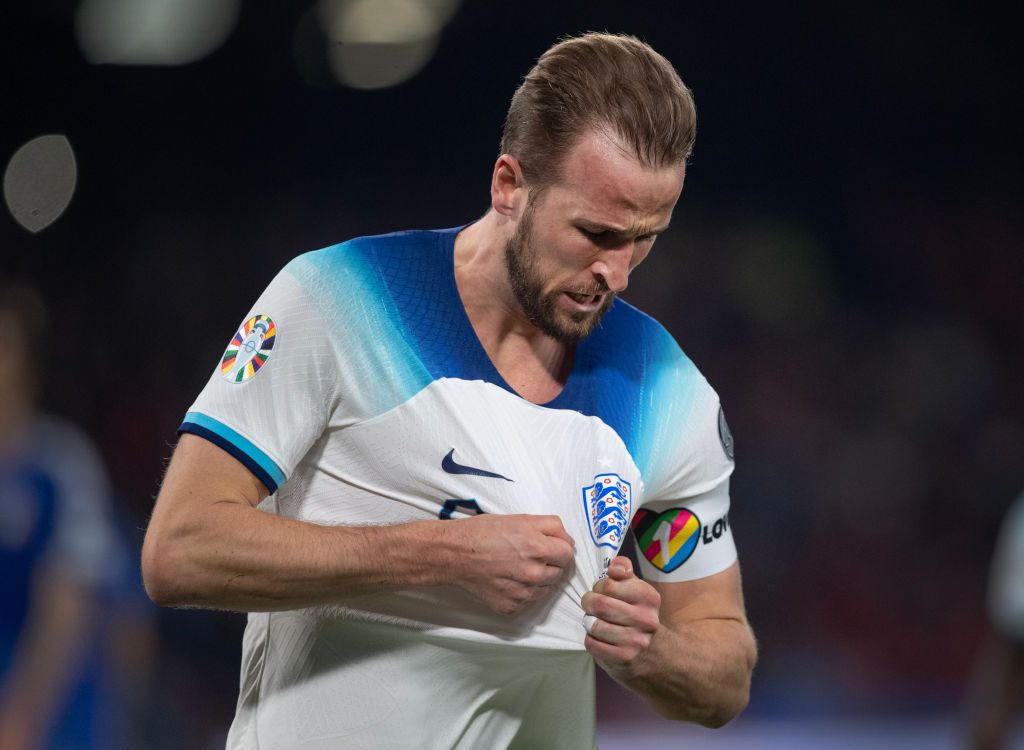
column 422, row 554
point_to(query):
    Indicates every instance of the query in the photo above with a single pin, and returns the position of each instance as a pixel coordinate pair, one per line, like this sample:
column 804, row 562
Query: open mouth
column 585, row 299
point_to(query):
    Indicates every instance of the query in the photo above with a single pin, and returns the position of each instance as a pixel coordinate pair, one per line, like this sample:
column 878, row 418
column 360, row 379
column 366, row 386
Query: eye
column 595, row 236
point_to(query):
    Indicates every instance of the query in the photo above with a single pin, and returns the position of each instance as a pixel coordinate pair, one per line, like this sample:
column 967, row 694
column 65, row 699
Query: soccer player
column 418, row 458
column 59, row 554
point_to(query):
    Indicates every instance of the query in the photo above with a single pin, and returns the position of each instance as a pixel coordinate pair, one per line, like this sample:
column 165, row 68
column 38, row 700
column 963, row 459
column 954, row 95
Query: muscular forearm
column 238, row 558
column 208, row 545
column 699, row 672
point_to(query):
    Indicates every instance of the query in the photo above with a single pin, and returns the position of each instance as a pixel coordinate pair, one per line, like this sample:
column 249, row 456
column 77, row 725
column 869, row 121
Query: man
column 450, row 432
column 59, row 553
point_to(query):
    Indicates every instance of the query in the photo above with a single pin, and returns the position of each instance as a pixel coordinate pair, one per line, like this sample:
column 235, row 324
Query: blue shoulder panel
column 395, row 299
column 631, row 374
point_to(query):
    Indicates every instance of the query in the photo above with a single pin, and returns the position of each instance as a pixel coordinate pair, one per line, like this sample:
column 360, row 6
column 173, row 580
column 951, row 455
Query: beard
column 541, row 308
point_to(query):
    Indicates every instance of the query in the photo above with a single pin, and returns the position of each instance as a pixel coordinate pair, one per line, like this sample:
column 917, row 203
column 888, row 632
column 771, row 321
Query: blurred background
column 845, row 266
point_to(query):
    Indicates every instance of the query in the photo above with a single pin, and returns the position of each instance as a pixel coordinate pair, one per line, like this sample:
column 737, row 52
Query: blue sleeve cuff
column 255, row 460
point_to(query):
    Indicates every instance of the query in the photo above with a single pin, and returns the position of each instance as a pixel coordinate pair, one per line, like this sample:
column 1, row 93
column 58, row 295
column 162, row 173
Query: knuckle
column 533, row 575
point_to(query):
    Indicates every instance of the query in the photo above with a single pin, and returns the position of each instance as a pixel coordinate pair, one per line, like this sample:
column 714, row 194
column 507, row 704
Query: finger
column 558, row 553
column 552, row 526
column 618, row 612
column 619, row 635
column 555, row 572
column 608, row 655
column 620, row 568
column 633, row 591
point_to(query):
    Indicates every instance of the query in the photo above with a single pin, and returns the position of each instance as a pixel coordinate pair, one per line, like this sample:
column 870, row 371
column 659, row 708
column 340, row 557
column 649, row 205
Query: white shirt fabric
column 358, row 392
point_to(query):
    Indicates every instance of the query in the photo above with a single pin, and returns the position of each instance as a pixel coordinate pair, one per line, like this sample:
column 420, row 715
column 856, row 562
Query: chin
column 570, row 329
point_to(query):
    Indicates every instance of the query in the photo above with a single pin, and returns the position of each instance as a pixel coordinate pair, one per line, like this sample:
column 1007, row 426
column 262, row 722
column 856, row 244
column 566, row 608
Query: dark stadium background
column 845, row 266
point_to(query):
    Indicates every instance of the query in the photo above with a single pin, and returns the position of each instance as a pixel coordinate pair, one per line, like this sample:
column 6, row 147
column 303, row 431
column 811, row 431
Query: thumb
column 620, row 568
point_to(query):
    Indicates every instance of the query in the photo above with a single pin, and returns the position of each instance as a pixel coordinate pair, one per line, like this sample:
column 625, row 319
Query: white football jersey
column 358, row 392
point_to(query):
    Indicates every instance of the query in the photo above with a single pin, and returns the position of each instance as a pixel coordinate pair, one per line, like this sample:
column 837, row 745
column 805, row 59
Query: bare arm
column 686, row 648
column 47, row 657
column 209, row 546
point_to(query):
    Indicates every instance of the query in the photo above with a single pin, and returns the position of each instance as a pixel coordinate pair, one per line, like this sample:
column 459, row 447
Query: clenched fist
column 623, row 618
column 507, row 562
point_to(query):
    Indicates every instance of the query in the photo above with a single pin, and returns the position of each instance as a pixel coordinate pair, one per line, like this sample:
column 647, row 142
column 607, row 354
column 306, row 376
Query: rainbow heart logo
column 666, row 539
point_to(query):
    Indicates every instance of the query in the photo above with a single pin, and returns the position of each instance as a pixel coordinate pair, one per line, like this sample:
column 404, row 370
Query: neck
column 534, row 364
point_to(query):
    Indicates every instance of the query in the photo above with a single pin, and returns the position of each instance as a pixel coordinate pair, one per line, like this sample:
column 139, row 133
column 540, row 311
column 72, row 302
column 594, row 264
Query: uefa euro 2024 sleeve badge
column 607, row 503
column 249, row 349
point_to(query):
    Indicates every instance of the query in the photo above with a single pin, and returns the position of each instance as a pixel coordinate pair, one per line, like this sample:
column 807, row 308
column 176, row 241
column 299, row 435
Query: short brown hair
column 599, row 80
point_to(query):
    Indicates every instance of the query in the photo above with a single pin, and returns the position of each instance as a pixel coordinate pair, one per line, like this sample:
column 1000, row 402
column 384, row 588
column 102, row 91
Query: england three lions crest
column 607, row 504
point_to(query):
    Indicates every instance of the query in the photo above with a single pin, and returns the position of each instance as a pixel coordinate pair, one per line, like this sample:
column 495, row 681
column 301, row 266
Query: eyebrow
column 638, row 230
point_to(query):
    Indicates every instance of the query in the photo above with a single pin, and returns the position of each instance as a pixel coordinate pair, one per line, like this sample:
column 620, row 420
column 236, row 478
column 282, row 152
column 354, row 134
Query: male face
column 576, row 243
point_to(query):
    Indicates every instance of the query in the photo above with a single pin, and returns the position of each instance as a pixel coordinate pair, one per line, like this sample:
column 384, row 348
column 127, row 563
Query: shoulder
column 648, row 390
column 633, row 341
column 62, row 448
column 370, row 256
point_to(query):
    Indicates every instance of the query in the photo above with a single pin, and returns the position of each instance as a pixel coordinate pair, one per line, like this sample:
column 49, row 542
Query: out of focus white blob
column 40, row 180
column 443, row 10
column 375, row 44
column 153, row 32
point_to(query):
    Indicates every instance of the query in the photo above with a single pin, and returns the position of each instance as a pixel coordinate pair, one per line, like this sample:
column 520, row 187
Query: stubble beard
column 540, row 307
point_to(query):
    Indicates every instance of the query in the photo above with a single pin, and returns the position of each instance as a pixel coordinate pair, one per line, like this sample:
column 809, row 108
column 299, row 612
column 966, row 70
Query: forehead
column 602, row 181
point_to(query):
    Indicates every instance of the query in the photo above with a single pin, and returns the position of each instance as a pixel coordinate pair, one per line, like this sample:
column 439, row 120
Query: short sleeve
column 682, row 530
column 1006, row 585
column 274, row 388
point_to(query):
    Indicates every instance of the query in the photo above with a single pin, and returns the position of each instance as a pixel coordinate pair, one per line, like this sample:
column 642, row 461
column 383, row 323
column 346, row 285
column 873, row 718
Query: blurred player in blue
column 64, row 567
column 418, row 458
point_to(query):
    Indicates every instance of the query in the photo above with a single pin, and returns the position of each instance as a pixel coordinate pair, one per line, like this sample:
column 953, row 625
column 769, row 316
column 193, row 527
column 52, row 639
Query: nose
column 613, row 268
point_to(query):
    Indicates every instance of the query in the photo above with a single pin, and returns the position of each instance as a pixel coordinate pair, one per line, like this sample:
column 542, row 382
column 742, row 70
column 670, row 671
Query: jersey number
column 467, row 506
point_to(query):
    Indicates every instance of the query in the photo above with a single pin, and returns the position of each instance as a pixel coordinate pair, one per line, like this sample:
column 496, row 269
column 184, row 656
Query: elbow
column 709, row 716
column 736, row 700
column 720, row 715
column 733, row 695
column 161, row 564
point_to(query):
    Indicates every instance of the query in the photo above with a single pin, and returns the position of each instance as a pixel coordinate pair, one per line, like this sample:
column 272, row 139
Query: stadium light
column 376, row 44
column 39, row 181
column 153, row 32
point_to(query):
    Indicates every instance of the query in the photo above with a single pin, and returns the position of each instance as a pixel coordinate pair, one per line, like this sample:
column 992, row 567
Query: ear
column 506, row 180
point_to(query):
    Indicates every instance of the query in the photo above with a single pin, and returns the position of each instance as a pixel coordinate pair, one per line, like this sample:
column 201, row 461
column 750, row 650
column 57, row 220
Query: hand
column 624, row 609
column 507, row 562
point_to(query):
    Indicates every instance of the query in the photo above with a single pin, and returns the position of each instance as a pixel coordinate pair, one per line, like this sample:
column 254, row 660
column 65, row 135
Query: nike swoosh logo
column 449, row 465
